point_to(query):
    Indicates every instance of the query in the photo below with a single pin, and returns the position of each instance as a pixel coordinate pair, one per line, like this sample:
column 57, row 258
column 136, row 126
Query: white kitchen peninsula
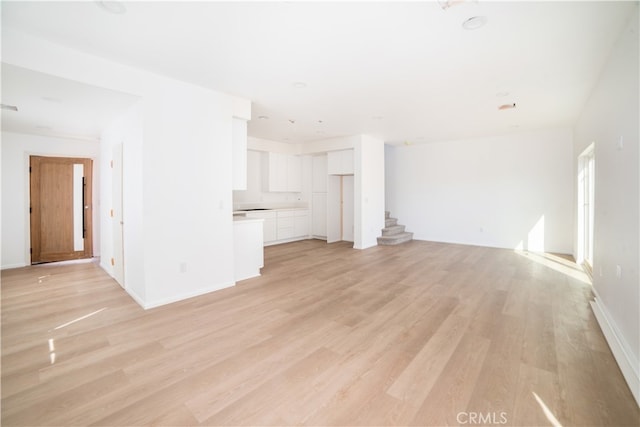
column 247, row 247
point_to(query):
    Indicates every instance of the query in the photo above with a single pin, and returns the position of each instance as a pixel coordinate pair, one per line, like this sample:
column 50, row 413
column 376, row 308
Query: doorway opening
column 586, row 196
column 340, row 208
column 60, row 208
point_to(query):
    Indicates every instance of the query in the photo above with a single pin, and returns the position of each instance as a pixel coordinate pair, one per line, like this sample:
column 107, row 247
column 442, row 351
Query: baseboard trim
column 10, row 266
column 618, row 346
column 136, row 298
column 165, row 301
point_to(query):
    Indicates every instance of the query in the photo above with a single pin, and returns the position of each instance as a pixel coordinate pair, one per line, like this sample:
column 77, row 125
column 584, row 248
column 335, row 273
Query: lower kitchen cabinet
column 281, row 226
column 269, row 229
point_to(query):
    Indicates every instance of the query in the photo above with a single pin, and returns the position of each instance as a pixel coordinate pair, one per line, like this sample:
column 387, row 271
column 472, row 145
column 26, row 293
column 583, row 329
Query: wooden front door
column 61, row 209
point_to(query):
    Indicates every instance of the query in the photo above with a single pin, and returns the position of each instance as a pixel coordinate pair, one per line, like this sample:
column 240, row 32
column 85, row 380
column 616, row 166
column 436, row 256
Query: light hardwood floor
column 418, row 334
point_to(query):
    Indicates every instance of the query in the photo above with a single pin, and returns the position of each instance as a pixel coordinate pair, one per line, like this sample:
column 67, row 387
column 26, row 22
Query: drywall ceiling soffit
column 400, row 71
column 52, row 106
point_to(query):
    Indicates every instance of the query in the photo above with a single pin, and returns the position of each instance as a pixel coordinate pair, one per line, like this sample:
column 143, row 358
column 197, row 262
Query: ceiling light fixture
column 299, row 85
column 474, row 22
column 112, row 6
column 263, row 117
column 9, row 107
column 507, row 106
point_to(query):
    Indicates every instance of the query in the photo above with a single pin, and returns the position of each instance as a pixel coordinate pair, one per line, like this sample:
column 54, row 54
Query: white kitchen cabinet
column 293, row 224
column 269, row 228
column 319, row 215
column 294, row 174
column 319, row 174
column 282, row 173
column 340, row 162
column 282, row 226
column 274, row 172
column 301, row 224
column 286, row 225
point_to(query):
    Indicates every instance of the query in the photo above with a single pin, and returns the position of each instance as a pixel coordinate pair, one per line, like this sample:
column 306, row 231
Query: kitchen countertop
column 293, row 208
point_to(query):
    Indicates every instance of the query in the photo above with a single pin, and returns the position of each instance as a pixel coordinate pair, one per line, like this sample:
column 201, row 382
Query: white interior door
column 347, row 208
column 117, row 217
column 334, row 231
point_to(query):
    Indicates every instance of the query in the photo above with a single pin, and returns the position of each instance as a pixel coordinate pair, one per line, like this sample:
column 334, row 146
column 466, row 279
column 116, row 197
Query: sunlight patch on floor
column 547, row 412
column 558, row 264
column 64, row 325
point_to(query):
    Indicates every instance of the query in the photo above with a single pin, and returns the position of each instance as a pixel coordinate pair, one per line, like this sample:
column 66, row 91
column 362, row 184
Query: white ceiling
column 401, row 71
column 52, row 106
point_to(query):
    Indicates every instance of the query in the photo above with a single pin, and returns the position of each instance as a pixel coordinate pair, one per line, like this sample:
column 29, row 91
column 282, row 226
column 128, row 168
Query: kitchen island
column 248, row 247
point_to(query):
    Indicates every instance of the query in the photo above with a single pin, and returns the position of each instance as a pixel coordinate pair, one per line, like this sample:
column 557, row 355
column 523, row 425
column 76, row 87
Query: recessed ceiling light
column 502, row 94
column 507, row 106
column 474, row 22
column 112, row 6
column 9, row 107
column 299, row 85
column 263, row 117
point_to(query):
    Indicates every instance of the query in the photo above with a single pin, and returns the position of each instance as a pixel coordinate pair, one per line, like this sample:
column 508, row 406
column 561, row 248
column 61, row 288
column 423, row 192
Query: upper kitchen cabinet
column 319, row 171
column 340, row 162
column 239, row 154
column 282, row 173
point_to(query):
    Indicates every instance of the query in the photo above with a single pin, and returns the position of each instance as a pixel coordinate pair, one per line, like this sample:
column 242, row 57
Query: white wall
column 389, row 178
column 16, row 149
column 126, row 130
column 181, row 172
column 510, row 191
column 612, row 113
column 370, row 191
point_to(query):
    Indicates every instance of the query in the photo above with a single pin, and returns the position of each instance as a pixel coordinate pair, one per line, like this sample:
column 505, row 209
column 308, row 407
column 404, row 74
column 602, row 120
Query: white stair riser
column 393, row 233
column 395, row 229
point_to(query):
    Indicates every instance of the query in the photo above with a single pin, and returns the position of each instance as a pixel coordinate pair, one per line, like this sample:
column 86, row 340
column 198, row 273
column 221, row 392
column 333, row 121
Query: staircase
column 393, row 233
